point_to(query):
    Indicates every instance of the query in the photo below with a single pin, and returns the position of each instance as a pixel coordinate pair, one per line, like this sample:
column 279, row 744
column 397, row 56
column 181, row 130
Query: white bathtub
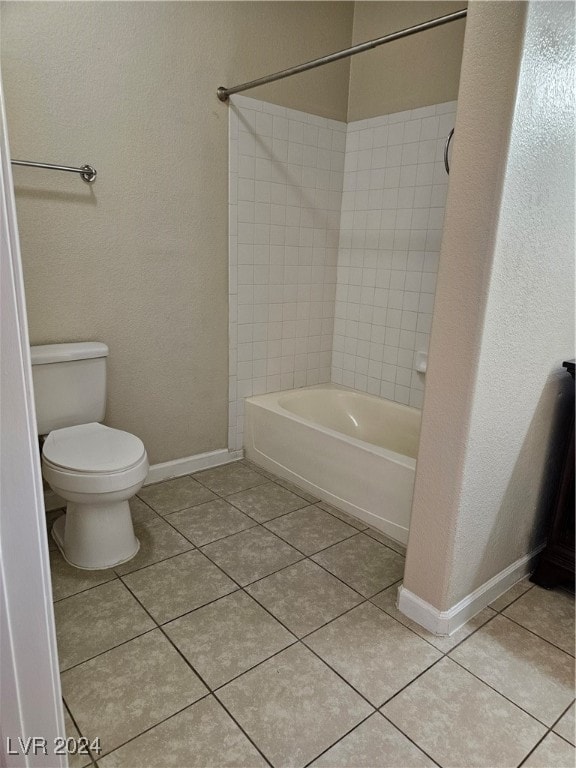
column 353, row 450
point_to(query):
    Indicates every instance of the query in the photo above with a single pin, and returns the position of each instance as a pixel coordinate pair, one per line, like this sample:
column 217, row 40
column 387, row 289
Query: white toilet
column 96, row 469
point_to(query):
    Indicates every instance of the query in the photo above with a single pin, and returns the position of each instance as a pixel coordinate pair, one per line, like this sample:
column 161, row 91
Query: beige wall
column 504, row 314
column 140, row 259
column 413, row 72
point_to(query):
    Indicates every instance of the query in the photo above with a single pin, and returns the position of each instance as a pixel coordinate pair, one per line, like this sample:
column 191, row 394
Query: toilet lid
column 93, row 448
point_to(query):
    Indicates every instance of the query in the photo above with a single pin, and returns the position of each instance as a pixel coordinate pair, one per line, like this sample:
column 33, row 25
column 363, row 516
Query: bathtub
column 353, row 450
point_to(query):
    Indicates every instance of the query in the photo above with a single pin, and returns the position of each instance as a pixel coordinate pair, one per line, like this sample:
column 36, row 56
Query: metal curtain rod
column 86, row 171
column 224, row 93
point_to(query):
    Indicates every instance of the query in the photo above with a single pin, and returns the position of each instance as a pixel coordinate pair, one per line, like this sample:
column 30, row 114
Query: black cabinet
column 556, row 564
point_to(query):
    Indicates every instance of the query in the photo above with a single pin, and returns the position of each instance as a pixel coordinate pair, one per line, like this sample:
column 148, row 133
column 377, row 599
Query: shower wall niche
column 335, row 233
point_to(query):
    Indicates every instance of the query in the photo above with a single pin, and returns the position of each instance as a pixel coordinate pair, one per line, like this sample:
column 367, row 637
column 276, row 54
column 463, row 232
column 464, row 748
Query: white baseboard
column 447, row 622
column 165, row 471
column 189, row 464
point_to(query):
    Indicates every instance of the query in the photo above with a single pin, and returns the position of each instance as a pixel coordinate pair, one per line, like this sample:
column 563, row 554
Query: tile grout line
column 198, row 675
column 67, row 709
column 250, row 739
column 548, row 732
column 112, row 648
column 537, row 635
column 300, row 640
column 199, row 547
column 377, row 712
column 537, row 719
column 151, row 727
column 239, row 588
column 446, row 655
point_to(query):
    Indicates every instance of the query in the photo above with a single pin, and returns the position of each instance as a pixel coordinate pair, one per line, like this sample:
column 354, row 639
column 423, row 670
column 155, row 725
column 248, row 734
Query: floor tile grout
column 537, row 635
column 151, row 727
column 316, row 757
column 71, row 716
column 497, row 691
column 298, row 640
column 246, row 734
column 112, row 647
column 195, row 671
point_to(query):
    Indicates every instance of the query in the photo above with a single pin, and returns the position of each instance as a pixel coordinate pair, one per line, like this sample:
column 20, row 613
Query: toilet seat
column 93, row 448
column 92, row 458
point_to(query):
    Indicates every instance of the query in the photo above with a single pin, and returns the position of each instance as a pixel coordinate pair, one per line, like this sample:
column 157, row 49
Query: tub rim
column 270, row 401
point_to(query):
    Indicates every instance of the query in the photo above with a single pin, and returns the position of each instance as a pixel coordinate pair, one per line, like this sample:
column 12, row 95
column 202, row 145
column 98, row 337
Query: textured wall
column 504, row 317
column 140, row 259
column 409, row 73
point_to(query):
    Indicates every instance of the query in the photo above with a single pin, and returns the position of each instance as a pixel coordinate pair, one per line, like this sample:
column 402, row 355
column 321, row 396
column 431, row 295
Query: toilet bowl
column 96, row 469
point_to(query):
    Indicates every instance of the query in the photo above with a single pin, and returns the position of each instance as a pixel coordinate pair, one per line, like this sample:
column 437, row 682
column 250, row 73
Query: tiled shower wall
column 335, row 235
column 286, row 175
column 395, row 187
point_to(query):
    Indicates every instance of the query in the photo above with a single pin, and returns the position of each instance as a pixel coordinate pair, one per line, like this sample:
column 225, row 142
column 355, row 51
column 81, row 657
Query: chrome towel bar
column 86, row 171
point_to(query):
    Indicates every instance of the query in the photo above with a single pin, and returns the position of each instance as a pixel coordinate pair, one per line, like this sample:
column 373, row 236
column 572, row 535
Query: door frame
column 30, row 700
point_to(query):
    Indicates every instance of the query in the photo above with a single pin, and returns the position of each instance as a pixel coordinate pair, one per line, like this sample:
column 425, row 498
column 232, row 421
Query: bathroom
column 161, row 259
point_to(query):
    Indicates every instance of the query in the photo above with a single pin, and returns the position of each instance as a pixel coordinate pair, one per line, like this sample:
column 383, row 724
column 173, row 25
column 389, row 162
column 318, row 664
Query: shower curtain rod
column 224, row 93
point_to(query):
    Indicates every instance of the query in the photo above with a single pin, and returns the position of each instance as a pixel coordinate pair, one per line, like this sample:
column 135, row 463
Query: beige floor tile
column 260, row 470
column 97, row 620
column 67, row 580
column 173, row 495
column 251, row 554
column 353, row 521
column 78, row 760
column 267, row 501
column 364, row 564
column 202, row 736
column 547, row 612
column 311, row 529
column 511, row 594
column 280, row 480
column 178, row 585
column 209, row 522
column 231, row 478
column 295, row 489
column 141, row 512
column 566, row 726
column 158, row 540
column 304, row 596
column 227, row 637
column 552, row 752
column 124, row 691
column 386, row 540
column 527, row 670
column 386, row 601
column 460, row 721
column 375, row 743
column 293, row 707
column 373, row 652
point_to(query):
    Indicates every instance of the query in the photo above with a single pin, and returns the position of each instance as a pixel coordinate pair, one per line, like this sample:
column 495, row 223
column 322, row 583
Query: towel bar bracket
column 87, row 172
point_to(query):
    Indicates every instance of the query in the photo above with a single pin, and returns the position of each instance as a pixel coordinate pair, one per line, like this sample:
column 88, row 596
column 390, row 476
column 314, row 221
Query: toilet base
column 96, row 536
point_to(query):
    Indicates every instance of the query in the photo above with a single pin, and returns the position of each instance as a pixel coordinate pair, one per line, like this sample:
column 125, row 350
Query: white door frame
column 30, row 697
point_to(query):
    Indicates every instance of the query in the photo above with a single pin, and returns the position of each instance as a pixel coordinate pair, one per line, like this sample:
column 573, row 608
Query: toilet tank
column 69, row 384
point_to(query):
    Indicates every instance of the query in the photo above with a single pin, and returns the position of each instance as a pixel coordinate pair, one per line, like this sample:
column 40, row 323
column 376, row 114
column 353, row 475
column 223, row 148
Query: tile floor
column 257, row 626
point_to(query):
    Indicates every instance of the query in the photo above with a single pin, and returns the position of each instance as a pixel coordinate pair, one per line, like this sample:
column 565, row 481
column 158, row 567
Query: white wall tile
column 286, row 178
column 392, row 217
column 334, row 236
